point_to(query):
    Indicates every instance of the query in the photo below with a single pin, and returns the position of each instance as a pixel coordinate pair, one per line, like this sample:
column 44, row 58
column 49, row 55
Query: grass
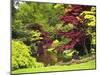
column 82, row 66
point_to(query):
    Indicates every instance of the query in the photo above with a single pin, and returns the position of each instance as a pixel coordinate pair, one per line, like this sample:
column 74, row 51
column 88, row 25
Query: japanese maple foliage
column 77, row 34
column 45, row 43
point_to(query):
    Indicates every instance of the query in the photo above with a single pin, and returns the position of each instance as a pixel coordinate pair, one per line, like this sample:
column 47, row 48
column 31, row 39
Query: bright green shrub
column 37, row 65
column 67, row 55
column 14, row 63
column 21, row 56
column 90, row 16
column 35, row 35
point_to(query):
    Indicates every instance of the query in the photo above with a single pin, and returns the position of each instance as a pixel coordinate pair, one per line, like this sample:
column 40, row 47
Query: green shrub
column 21, row 56
column 37, row 65
column 67, row 55
column 14, row 63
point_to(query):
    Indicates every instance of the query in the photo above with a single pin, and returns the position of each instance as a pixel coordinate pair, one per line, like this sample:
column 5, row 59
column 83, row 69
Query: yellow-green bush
column 21, row 56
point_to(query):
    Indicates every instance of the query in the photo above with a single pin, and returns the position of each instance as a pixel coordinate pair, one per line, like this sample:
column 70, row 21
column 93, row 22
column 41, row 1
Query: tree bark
column 85, row 48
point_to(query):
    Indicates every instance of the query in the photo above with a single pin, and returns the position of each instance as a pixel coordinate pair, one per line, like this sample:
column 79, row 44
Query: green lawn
column 82, row 66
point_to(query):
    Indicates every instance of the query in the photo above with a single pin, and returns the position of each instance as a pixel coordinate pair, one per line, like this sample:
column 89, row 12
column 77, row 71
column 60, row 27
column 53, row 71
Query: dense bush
column 21, row 56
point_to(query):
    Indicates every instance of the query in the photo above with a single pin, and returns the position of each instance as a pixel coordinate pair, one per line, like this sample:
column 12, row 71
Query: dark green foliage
column 44, row 14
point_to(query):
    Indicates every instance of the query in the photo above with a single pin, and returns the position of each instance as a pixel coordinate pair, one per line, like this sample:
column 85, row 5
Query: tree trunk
column 85, row 48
